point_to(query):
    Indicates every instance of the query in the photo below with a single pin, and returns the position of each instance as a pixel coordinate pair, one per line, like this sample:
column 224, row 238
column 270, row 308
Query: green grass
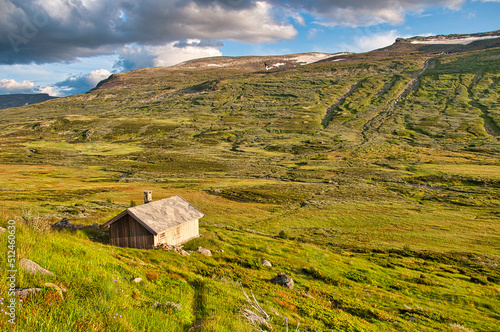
column 383, row 249
column 388, row 214
column 335, row 289
column 91, row 148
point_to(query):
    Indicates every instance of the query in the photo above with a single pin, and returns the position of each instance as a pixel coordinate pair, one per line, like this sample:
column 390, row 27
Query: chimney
column 148, row 196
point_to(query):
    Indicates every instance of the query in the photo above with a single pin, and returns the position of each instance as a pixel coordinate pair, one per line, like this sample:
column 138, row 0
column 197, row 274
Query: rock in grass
column 58, row 289
column 2, row 230
column 181, row 251
column 167, row 306
column 63, row 223
column 266, row 263
column 136, row 280
column 32, row 267
column 283, row 280
column 204, row 251
column 24, row 292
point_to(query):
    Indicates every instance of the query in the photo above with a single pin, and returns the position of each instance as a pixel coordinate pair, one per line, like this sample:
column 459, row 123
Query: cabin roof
column 158, row 216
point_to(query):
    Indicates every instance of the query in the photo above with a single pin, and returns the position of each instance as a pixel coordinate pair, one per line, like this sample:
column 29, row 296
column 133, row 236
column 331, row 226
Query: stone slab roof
column 158, row 216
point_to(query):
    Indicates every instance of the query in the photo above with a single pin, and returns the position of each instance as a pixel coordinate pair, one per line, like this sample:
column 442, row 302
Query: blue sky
column 64, row 47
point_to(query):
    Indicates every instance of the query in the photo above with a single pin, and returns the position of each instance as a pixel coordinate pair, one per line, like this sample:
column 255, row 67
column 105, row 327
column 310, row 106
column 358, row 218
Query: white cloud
column 136, row 56
column 13, row 85
column 78, row 83
column 51, row 91
column 372, row 41
column 169, row 55
column 71, row 85
column 65, row 30
column 358, row 13
column 96, row 76
column 62, row 30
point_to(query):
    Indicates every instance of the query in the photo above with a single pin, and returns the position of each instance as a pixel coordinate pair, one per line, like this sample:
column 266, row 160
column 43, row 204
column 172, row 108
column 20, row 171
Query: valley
column 372, row 179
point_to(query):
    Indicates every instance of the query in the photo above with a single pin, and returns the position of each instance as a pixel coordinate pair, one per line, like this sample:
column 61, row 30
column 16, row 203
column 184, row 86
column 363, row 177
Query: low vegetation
column 383, row 211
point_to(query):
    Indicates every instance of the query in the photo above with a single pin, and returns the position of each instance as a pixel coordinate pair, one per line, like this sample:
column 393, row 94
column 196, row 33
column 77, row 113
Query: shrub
column 315, row 273
column 39, row 224
column 152, row 275
column 358, row 276
column 283, row 235
column 479, row 279
column 424, row 280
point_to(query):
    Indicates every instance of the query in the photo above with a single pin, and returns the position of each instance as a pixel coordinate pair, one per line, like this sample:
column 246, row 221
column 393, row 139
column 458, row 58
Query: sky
column 65, row 47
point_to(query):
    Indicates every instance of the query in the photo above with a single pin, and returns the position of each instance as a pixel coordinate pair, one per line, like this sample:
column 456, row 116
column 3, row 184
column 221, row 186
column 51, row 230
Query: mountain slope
column 372, row 179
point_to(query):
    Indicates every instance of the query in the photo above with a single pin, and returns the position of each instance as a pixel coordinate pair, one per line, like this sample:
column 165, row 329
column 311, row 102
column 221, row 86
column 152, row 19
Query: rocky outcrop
column 283, row 280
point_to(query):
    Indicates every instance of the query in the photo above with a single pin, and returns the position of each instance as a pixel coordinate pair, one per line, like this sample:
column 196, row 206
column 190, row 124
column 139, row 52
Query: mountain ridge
column 20, row 99
column 248, row 64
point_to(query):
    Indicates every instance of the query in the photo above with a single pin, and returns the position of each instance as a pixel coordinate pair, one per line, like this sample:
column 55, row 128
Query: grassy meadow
column 386, row 215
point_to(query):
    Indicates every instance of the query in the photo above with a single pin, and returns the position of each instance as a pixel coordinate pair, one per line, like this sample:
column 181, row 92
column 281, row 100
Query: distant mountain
column 225, row 66
column 16, row 100
column 449, row 43
column 436, row 92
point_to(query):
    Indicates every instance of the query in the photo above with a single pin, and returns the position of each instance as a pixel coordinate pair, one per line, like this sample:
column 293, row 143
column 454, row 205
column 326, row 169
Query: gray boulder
column 59, row 290
column 32, row 267
column 24, row 292
column 63, row 223
column 283, row 280
column 182, row 252
column 204, row 251
column 266, row 263
column 172, row 306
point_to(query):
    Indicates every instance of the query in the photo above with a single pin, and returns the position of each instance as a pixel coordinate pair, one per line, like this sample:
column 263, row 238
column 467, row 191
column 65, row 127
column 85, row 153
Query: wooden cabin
column 170, row 221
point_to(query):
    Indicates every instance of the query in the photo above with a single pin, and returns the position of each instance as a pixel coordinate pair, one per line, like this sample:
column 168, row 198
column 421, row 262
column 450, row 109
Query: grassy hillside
column 373, row 180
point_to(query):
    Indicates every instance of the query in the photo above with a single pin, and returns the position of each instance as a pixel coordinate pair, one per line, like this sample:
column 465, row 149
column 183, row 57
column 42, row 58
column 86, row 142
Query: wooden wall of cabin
column 126, row 232
column 179, row 234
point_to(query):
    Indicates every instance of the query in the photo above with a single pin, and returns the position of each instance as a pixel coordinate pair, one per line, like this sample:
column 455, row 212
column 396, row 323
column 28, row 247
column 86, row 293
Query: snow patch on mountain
column 462, row 41
column 276, row 65
column 306, row 59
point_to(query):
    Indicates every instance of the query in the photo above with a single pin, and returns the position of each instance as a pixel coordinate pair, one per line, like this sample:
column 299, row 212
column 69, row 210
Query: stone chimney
column 148, row 196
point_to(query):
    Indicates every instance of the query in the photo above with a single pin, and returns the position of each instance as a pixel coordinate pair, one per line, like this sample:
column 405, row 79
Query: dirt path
column 413, row 84
column 199, row 310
